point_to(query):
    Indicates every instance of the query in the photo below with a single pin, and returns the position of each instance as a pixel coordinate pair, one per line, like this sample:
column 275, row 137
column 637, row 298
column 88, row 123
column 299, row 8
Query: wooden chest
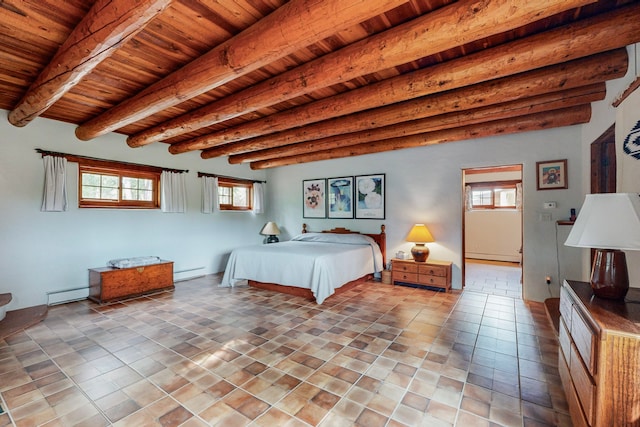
column 436, row 274
column 109, row 284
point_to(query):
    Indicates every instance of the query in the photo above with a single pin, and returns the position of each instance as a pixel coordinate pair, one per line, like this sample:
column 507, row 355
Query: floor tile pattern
column 377, row 355
column 493, row 277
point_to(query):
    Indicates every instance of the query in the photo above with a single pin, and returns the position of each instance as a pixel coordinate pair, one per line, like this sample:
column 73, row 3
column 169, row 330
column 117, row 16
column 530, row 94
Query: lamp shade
column 607, row 221
column 270, row 229
column 419, row 234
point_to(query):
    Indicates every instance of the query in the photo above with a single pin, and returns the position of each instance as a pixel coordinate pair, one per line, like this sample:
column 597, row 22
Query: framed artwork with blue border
column 370, row 195
column 314, row 203
column 340, row 197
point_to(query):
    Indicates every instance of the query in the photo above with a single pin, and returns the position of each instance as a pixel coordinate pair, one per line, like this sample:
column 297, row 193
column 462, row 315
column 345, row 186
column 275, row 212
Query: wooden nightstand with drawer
column 435, row 274
column 599, row 356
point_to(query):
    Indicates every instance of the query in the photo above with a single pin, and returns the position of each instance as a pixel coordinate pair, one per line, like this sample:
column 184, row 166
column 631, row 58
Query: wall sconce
column 271, row 229
column 609, row 223
column 420, row 235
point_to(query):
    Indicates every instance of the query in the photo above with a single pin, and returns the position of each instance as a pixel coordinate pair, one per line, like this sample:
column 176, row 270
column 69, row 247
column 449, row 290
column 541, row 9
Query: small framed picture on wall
column 314, row 203
column 552, row 175
column 370, row 196
column 340, row 197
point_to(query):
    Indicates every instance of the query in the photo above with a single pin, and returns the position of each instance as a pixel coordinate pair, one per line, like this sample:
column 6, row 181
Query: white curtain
column 468, row 198
column 210, row 201
column 258, row 197
column 54, row 198
column 519, row 196
column 174, row 192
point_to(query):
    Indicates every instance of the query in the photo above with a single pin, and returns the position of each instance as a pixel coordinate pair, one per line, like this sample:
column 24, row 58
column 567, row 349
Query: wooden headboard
column 380, row 238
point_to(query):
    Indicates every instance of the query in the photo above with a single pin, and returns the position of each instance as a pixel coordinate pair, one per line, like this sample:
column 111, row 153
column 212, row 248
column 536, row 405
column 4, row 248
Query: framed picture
column 340, row 197
column 552, row 175
column 314, row 204
column 370, row 196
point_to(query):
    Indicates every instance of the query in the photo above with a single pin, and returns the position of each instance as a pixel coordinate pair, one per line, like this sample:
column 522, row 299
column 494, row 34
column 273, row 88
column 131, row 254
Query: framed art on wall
column 370, row 196
column 552, row 175
column 340, row 197
column 313, row 198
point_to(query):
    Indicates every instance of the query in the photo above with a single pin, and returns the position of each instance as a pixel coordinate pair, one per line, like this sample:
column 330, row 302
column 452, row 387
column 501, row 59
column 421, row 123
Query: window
column 493, row 195
column 113, row 186
column 235, row 194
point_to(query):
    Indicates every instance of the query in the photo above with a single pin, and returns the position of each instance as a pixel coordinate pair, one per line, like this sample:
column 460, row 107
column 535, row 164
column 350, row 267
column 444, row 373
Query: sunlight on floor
column 493, row 277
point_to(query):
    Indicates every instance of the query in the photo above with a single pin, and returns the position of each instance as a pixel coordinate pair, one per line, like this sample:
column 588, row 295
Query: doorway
column 492, row 230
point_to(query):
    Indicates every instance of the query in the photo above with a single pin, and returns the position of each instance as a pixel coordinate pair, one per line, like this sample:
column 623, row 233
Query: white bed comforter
column 321, row 262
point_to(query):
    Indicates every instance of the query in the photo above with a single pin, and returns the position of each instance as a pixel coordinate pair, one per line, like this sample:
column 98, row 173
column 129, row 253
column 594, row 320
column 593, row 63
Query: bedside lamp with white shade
column 420, row 235
column 271, row 229
column 609, row 223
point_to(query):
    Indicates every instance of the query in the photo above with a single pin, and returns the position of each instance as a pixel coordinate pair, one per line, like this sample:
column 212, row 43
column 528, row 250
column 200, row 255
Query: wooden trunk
column 110, row 284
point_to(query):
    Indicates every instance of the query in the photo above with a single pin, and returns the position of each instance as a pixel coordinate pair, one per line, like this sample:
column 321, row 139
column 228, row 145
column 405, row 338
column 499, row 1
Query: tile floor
column 377, row 355
column 493, row 277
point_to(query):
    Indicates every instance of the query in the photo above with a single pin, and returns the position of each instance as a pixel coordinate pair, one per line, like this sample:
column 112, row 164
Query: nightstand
column 433, row 273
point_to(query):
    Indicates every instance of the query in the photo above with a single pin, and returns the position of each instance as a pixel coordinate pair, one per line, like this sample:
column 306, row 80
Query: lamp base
column 272, row 239
column 609, row 276
column 420, row 252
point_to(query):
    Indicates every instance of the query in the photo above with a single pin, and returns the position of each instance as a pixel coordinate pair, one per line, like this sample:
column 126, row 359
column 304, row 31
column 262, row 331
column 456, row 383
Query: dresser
column 109, row 284
column 599, row 356
column 433, row 273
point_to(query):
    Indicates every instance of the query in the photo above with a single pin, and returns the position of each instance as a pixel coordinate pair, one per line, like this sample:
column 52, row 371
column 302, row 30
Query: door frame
column 488, row 169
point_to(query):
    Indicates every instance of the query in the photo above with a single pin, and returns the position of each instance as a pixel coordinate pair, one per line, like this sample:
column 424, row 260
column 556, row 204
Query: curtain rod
column 75, row 157
column 201, row 174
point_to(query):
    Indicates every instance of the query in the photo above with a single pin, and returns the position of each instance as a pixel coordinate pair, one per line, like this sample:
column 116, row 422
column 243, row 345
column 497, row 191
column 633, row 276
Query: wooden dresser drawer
column 405, row 277
column 432, row 270
column 565, row 307
column 565, row 340
column 432, row 280
column 405, row 267
column 585, row 340
column 585, row 388
column 577, row 416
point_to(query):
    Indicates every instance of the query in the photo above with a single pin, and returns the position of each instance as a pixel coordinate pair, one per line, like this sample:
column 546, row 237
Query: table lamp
column 420, row 235
column 608, row 223
column 271, row 229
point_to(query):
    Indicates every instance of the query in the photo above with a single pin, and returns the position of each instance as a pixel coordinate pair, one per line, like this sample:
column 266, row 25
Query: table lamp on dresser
column 608, row 223
column 420, row 235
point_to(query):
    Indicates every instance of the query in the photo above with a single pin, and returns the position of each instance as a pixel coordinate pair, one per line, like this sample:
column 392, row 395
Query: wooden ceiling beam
column 577, row 73
column 420, row 37
column 605, row 32
column 546, row 120
column 106, row 27
column 511, row 109
column 292, row 26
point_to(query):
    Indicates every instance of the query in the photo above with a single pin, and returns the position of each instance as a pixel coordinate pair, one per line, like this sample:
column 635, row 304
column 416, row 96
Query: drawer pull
column 140, row 269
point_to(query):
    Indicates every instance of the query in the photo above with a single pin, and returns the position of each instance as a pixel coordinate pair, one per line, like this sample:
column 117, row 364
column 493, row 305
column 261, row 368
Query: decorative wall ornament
column 631, row 144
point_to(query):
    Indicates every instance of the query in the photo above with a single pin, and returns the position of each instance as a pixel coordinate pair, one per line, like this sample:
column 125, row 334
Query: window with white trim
column 493, row 195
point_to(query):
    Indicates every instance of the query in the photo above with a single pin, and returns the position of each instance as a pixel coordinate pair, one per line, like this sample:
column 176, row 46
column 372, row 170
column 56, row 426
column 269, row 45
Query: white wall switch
column 549, row 205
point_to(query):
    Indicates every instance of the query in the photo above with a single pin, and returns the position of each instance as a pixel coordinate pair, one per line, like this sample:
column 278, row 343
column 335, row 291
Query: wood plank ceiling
column 275, row 82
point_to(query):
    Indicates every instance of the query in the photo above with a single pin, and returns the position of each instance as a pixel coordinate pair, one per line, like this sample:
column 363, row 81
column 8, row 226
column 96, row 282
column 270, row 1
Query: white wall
column 48, row 251
column 425, row 185
column 493, row 234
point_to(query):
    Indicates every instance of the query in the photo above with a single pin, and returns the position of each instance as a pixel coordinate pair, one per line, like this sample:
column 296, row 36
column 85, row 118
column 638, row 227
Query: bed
column 311, row 265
